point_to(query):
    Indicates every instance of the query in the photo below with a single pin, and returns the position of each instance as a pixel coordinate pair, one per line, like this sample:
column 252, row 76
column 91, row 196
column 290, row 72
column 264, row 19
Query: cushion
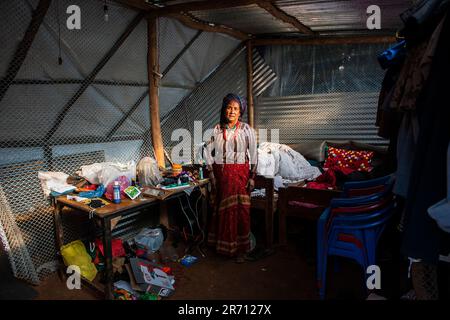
column 341, row 144
column 311, row 150
column 350, row 159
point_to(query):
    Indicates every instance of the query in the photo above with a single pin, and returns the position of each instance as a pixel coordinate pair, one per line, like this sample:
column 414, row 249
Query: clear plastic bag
column 106, row 172
column 150, row 239
column 112, row 171
column 148, row 172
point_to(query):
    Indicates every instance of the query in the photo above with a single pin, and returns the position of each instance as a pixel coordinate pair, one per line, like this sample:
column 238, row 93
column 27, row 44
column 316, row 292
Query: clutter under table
column 106, row 215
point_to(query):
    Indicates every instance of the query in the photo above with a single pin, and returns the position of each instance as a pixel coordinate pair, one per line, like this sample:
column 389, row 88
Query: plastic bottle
column 116, row 192
column 200, row 173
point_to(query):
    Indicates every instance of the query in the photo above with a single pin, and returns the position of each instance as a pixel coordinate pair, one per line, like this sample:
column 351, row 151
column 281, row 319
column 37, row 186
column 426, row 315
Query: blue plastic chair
column 367, row 187
column 351, row 228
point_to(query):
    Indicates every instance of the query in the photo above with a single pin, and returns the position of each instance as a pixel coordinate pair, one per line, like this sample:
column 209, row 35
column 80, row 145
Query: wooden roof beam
column 203, row 5
column 191, row 22
column 283, row 16
column 323, row 40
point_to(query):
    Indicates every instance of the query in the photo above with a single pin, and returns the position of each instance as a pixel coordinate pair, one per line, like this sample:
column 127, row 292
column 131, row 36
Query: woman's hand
column 250, row 185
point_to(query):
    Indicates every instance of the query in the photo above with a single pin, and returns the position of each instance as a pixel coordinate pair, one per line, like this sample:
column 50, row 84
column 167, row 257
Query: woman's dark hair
column 226, row 100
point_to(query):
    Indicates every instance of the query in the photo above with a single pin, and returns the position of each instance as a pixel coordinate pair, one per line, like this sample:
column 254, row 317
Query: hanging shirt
column 233, row 145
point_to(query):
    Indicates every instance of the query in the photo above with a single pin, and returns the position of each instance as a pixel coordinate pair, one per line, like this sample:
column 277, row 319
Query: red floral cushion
column 349, row 159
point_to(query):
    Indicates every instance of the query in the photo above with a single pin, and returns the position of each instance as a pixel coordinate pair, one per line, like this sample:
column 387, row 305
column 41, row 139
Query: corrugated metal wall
column 327, row 92
column 318, row 117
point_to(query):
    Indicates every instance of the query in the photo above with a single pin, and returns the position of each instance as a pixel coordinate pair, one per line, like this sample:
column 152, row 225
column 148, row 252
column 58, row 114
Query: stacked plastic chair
column 352, row 226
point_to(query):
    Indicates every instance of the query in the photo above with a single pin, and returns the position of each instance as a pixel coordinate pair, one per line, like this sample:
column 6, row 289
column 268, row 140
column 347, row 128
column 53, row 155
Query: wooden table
column 105, row 214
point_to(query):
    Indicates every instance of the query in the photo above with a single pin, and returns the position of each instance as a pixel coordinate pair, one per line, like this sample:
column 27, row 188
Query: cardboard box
column 150, row 278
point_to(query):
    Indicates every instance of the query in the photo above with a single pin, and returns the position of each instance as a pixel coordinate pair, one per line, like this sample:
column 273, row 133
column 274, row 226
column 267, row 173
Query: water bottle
column 116, row 192
column 200, row 173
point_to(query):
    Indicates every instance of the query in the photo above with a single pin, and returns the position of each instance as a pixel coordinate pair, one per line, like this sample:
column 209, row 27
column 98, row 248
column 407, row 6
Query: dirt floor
column 284, row 275
column 287, row 274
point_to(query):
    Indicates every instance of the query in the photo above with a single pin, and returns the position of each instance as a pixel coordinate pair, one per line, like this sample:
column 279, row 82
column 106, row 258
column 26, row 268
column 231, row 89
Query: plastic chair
column 351, row 228
column 366, row 187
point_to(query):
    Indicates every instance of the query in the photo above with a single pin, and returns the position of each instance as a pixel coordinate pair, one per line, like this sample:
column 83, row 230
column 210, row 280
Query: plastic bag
column 91, row 172
column 148, row 172
column 75, row 253
column 150, row 239
column 54, row 181
column 97, row 193
column 112, row 171
column 123, row 183
column 106, row 172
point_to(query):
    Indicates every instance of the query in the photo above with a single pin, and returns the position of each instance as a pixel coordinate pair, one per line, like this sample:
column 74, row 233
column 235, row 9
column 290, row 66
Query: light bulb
column 106, row 16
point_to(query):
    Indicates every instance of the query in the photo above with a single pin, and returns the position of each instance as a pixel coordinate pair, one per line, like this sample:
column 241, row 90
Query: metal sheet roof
column 324, row 15
column 319, row 15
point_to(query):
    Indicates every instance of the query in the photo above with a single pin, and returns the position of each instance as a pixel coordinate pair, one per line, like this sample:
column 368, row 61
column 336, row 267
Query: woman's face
column 232, row 112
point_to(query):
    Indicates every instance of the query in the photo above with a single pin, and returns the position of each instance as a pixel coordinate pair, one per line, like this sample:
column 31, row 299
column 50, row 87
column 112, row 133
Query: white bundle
column 287, row 162
column 54, row 181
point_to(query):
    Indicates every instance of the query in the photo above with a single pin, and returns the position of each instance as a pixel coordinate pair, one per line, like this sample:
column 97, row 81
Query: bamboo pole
column 153, row 80
column 250, row 106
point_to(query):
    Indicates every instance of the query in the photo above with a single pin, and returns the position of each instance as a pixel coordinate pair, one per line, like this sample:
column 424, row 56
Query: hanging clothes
column 415, row 72
column 422, row 237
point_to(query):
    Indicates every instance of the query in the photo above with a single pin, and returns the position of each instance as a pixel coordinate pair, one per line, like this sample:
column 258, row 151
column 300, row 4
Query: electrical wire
column 59, row 33
column 187, row 217
column 196, row 215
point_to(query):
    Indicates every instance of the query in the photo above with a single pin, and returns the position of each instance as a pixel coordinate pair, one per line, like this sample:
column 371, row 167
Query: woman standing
column 232, row 159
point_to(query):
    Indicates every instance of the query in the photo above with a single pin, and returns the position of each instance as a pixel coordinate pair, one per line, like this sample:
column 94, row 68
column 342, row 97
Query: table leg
column 59, row 237
column 107, row 247
column 269, row 224
column 204, row 200
column 282, row 227
column 163, row 214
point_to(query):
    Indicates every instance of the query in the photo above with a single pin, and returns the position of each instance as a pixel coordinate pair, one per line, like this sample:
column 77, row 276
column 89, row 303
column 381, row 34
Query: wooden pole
column 283, row 16
column 153, row 80
column 190, row 22
column 325, row 40
column 250, row 107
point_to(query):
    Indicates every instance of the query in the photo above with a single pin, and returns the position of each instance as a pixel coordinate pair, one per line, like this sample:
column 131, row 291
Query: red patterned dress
column 232, row 155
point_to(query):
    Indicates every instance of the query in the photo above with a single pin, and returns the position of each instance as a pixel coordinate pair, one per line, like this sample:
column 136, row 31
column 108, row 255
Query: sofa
column 316, row 153
column 308, row 204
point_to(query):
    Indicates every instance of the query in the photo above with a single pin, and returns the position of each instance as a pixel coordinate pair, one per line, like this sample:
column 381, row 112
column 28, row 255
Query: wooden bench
column 267, row 204
column 301, row 202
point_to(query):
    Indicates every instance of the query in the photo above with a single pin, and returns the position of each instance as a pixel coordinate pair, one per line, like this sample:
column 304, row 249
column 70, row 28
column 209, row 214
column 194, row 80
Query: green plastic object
column 148, row 296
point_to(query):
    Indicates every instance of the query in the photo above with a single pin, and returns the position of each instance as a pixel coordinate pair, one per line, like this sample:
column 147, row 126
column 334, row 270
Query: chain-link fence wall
column 91, row 107
column 56, row 117
column 327, row 92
